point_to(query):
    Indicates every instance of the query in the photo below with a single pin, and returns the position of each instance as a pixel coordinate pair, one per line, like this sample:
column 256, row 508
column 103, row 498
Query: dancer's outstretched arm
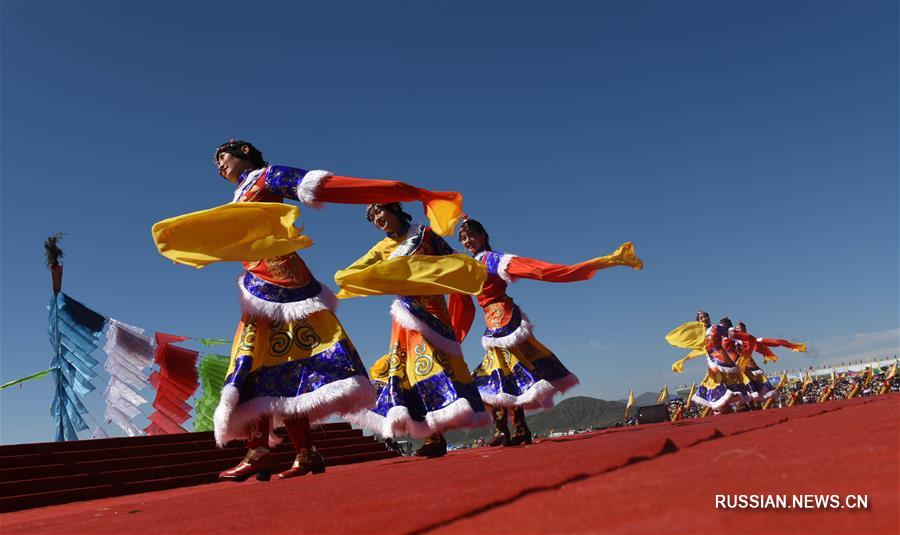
column 513, row 267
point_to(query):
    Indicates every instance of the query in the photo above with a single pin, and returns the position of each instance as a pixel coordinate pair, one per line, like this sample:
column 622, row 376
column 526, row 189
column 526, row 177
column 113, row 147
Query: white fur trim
column 406, row 320
column 724, row 369
column 245, row 185
column 538, row 396
column 503, row 265
column 726, row 399
column 756, row 396
column 339, row 397
column 757, row 373
column 398, row 422
column 307, row 188
column 296, row 311
column 521, row 334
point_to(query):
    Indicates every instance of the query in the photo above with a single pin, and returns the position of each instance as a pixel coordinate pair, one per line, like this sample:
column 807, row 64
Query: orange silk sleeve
column 530, row 268
column 776, row 342
column 462, row 314
column 444, row 208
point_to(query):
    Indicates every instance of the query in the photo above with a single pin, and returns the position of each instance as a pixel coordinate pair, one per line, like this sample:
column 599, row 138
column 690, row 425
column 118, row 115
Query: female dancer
column 518, row 372
column 723, row 384
column 423, row 385
column 291, row 361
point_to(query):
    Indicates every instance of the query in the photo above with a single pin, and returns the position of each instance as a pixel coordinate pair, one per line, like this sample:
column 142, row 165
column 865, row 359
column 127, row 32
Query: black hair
column 233, row 147
column 699, row 312
column 472, row 225
column 742, row 325
column 391, row 207
column 726, row 322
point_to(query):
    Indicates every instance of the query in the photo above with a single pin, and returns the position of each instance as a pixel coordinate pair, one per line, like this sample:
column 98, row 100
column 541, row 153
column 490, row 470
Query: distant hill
column 647, row 398
column 579, row 412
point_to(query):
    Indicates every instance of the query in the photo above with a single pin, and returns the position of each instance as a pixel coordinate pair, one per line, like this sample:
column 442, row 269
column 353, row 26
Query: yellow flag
column 233, row 232
column 782, row 380
column 663, row 395
column 630, row 402
column 892, row 372
column 808, row 380
column 687, row 403
column 834, row 378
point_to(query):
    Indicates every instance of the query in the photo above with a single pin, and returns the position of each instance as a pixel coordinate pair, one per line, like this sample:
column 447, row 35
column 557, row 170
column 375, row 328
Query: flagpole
column 53, row 254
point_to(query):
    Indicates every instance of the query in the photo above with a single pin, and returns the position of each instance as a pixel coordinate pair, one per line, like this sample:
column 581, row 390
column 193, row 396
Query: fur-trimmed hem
column 723, row 369
column 284, row 312
column 306, row 190
column 456, row 415
column 521, row 334
column 339, row 397
column 756, row 396
column 406, row 320
column 726, row 399
column 538, row 396
column 398, row 423
column 503, row 265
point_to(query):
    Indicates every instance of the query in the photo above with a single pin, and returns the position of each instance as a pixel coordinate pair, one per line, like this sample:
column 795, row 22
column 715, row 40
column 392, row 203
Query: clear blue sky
column 749, row 149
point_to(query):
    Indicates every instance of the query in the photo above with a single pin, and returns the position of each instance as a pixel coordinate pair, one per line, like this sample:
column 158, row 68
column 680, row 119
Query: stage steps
column 51, row 473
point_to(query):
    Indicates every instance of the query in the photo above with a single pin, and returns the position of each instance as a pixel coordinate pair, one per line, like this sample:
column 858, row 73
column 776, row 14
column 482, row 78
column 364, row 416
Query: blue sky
column 749, row 149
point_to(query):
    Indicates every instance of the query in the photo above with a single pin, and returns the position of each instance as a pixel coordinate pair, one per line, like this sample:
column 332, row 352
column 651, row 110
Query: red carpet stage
column 660, row 478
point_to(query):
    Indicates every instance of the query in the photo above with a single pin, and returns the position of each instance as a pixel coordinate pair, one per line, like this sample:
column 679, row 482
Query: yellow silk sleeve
column 233, row 232
column 412, row 275
column 444, row 214
column 690, row 335
column 678, row 365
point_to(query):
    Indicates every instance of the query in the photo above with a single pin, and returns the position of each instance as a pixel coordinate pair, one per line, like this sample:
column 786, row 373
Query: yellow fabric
column 413, row 359
column 690, row 335
column 270, row 343
column 663, row 395
column 504, row 360
column 678, row 365
column 782, row 380
column 377, row 274
column 246, row 231
column 630, row 400
column 443, row 214
column 801, row 348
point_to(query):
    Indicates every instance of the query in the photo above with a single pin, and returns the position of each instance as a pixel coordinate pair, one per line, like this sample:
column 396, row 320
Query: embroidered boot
column 522, row 434
column 501, row 427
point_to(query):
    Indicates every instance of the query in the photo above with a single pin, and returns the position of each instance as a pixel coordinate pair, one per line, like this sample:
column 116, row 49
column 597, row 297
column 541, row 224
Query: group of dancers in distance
column 733, row 378
column 292, row 362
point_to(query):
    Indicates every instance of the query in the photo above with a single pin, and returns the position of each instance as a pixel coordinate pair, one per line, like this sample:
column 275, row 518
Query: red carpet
column 659, row 478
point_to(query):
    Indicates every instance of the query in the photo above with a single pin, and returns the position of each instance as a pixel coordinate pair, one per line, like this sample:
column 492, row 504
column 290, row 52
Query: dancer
column 292, row 361
column 518, row 372
column 759, row 388
column 423, row 385
column 723, row 384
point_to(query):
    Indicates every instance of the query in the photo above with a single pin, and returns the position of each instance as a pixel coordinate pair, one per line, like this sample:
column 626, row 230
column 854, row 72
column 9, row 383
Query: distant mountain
column 579, row 412
column 647, row 398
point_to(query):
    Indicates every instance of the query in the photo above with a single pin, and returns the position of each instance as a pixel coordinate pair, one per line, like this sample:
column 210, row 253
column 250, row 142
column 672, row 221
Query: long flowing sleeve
column 781, row 342
column 246, row 231
column 412, row 275
column 690, row 335
column 443, row 208
column 529, row 268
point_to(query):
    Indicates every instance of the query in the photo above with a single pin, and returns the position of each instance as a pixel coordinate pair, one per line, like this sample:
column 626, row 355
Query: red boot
column 308, row 460
column 258, row 460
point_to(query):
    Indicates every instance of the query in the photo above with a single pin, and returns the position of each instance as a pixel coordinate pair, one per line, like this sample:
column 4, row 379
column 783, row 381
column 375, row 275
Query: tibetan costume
column 517, row 370
column 723, row 384
column 423, row 385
